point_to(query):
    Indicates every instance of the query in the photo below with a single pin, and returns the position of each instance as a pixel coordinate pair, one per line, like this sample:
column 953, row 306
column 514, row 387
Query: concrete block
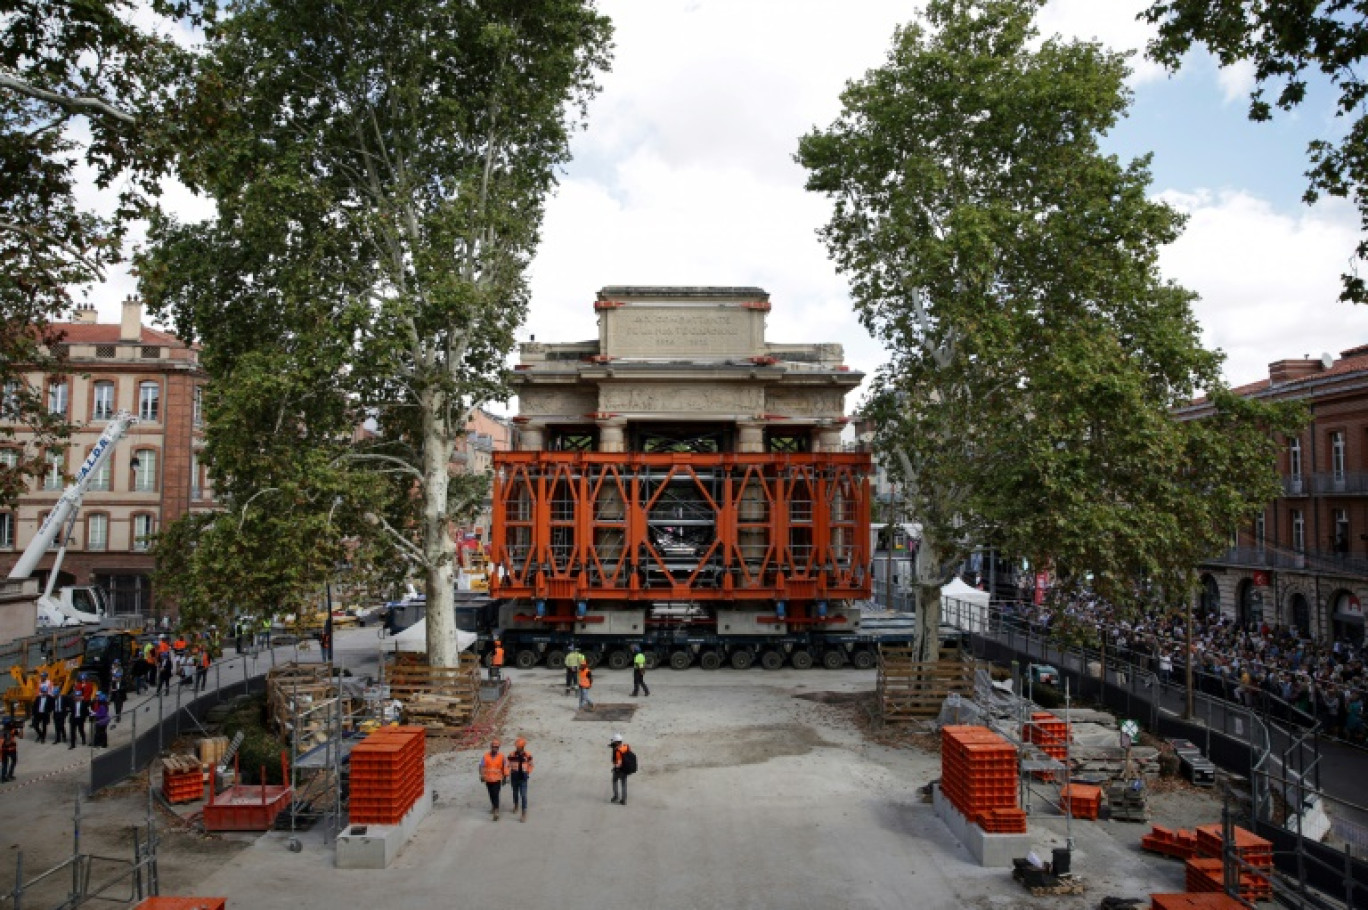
column 376, row 846
column 993, row 850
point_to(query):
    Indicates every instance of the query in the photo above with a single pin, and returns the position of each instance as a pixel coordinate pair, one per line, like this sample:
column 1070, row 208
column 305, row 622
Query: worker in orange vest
column 496, row 660
column 494, row 773
column 586, row 682
column 179, row 644
column 202, row 669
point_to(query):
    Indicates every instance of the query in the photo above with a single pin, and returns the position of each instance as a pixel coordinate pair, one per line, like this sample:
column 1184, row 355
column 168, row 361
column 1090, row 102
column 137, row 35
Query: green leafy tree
column 380, row 174
column 1036, row 353
column 1289, row 44
column 81, row 83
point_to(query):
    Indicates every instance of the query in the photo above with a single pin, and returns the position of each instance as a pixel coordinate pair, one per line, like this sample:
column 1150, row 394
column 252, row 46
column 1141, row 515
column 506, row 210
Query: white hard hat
column 617, row 737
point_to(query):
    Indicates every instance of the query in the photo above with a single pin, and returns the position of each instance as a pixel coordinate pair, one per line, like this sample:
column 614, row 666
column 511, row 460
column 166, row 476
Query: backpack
column 629, row 762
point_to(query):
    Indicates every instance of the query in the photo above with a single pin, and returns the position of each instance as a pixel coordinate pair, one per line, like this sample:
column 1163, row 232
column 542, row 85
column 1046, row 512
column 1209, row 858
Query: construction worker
column 586, row 682
column 620, row 771
column 100, row 739
column 202, row 669
column 80, row 712
column 496, row 659
column 42, row 709
column 573, row 661
column 494, row 773
column 639, row 672
column 179, row 644
column 266, row 631
column 519, row 772
column 162, row 644
column 61, row 711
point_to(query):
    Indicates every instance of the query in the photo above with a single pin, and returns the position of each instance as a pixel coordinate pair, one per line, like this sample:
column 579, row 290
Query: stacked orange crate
column 387, row 775
column 1206, row 901
column 979, row 777
column 1254, row 850
column 1081, row 800
column 1048, row 732
column 182, row 780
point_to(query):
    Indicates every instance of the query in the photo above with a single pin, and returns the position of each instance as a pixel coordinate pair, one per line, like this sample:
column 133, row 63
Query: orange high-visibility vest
column 493, row 768
column 497, row 659
column 584, row 681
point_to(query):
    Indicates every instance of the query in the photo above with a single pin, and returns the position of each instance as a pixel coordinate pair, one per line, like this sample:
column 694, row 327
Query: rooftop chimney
column 130, row 324
column 1292, row 370
column 86, row 315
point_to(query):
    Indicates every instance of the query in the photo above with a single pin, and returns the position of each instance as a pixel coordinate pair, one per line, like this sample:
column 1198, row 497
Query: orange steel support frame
column 573, row 526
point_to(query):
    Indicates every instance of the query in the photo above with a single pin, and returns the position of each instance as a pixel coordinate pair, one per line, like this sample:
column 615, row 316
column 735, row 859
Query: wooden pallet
column 444, row 700
column 909, row 690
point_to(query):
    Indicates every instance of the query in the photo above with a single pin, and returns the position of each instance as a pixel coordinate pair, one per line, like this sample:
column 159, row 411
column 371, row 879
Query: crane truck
column 73, row 605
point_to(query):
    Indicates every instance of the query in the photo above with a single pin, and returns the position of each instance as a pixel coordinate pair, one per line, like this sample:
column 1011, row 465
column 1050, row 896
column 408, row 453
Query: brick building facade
column 1303, row 561
column 155, row 474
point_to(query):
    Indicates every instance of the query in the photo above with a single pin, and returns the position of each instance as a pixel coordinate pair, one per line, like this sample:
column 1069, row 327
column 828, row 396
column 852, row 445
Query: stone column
column 612, row 436
column 750, row 437
column 531, row 437
column 827, row 438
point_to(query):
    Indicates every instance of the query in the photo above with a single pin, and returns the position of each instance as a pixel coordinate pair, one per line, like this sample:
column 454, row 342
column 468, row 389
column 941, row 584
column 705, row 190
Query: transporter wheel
column 742, row 659
column 619, row 659
column 526, row 659
column 652, row 659
column 593, row 658
column 863, row 660
column 772, row 660
column 801, row 660
column 555, row 659
column 833, row 660
column 710, row 660
column 680, row 660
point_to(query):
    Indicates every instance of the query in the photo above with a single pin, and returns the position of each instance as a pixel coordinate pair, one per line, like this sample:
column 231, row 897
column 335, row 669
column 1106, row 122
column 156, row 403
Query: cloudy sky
column 685, row 176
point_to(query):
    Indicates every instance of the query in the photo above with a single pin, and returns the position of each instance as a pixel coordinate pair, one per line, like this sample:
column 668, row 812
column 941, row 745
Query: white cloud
column 1236, row 80
column 1269, row 281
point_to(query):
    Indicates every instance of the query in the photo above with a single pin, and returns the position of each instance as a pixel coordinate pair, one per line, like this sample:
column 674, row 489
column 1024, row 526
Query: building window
column 1340, row 542
column 97, row 531
column 197, row 413
column 9, row 405
column 149, row 401
column 9, row 458
column 6, row 530
column 145, row 470
column 1337, row 455
column 103, row 408
column 99, row 478
column 143, row 529
column 1260, row 531
column 1294, row 457
column 1298, row 531
column 104, row 350
column 52, row 477
column 195, row 488
column 57, row 397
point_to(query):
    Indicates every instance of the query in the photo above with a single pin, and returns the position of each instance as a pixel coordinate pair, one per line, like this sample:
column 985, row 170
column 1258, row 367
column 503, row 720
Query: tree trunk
column 929, row 582
column 438, row 547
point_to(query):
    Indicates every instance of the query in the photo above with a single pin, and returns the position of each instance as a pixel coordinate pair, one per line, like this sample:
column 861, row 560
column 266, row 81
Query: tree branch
column 75, row 105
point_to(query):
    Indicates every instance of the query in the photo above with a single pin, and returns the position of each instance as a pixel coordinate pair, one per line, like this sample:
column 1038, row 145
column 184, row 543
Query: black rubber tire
column 863, row 660
column 710, row 660
column 526, row 659
column 619, row 659
column 592, row 659
column 652, row 659
column 833, row 660
column 772, row 660
column 742, row 660
column 680, row 660
column 801, row 660
column 555, row 659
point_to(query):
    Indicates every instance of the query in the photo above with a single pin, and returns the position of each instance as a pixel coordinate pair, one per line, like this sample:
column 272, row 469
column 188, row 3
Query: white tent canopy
column 414, row 638
column 964, row 607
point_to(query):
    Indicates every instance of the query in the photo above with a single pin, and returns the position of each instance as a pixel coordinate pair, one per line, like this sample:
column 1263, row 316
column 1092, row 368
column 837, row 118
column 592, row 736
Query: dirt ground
column 757, row 789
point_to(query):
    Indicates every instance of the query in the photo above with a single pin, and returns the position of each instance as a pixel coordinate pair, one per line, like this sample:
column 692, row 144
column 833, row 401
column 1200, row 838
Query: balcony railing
column 1321, row 561
column 1349, row 482
column 1294, row 485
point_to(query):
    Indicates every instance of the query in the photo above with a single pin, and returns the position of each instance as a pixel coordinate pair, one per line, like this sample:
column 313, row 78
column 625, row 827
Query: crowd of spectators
column 1260, row 665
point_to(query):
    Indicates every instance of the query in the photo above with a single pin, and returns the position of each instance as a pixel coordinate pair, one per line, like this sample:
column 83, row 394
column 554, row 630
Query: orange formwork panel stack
column 1179, row 843
column 182, row 779
column 1207, row 874
column 387, row 775
column 1049, row 733
column 1081, row 800
column 1202, row 901
column 979, row 777
column 1249, row 847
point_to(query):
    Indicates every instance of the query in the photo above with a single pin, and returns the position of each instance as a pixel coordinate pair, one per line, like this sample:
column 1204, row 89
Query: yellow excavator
column 18, row 697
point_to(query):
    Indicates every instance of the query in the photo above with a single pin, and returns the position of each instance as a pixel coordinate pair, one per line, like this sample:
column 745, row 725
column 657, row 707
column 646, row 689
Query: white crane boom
column 70, row 502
